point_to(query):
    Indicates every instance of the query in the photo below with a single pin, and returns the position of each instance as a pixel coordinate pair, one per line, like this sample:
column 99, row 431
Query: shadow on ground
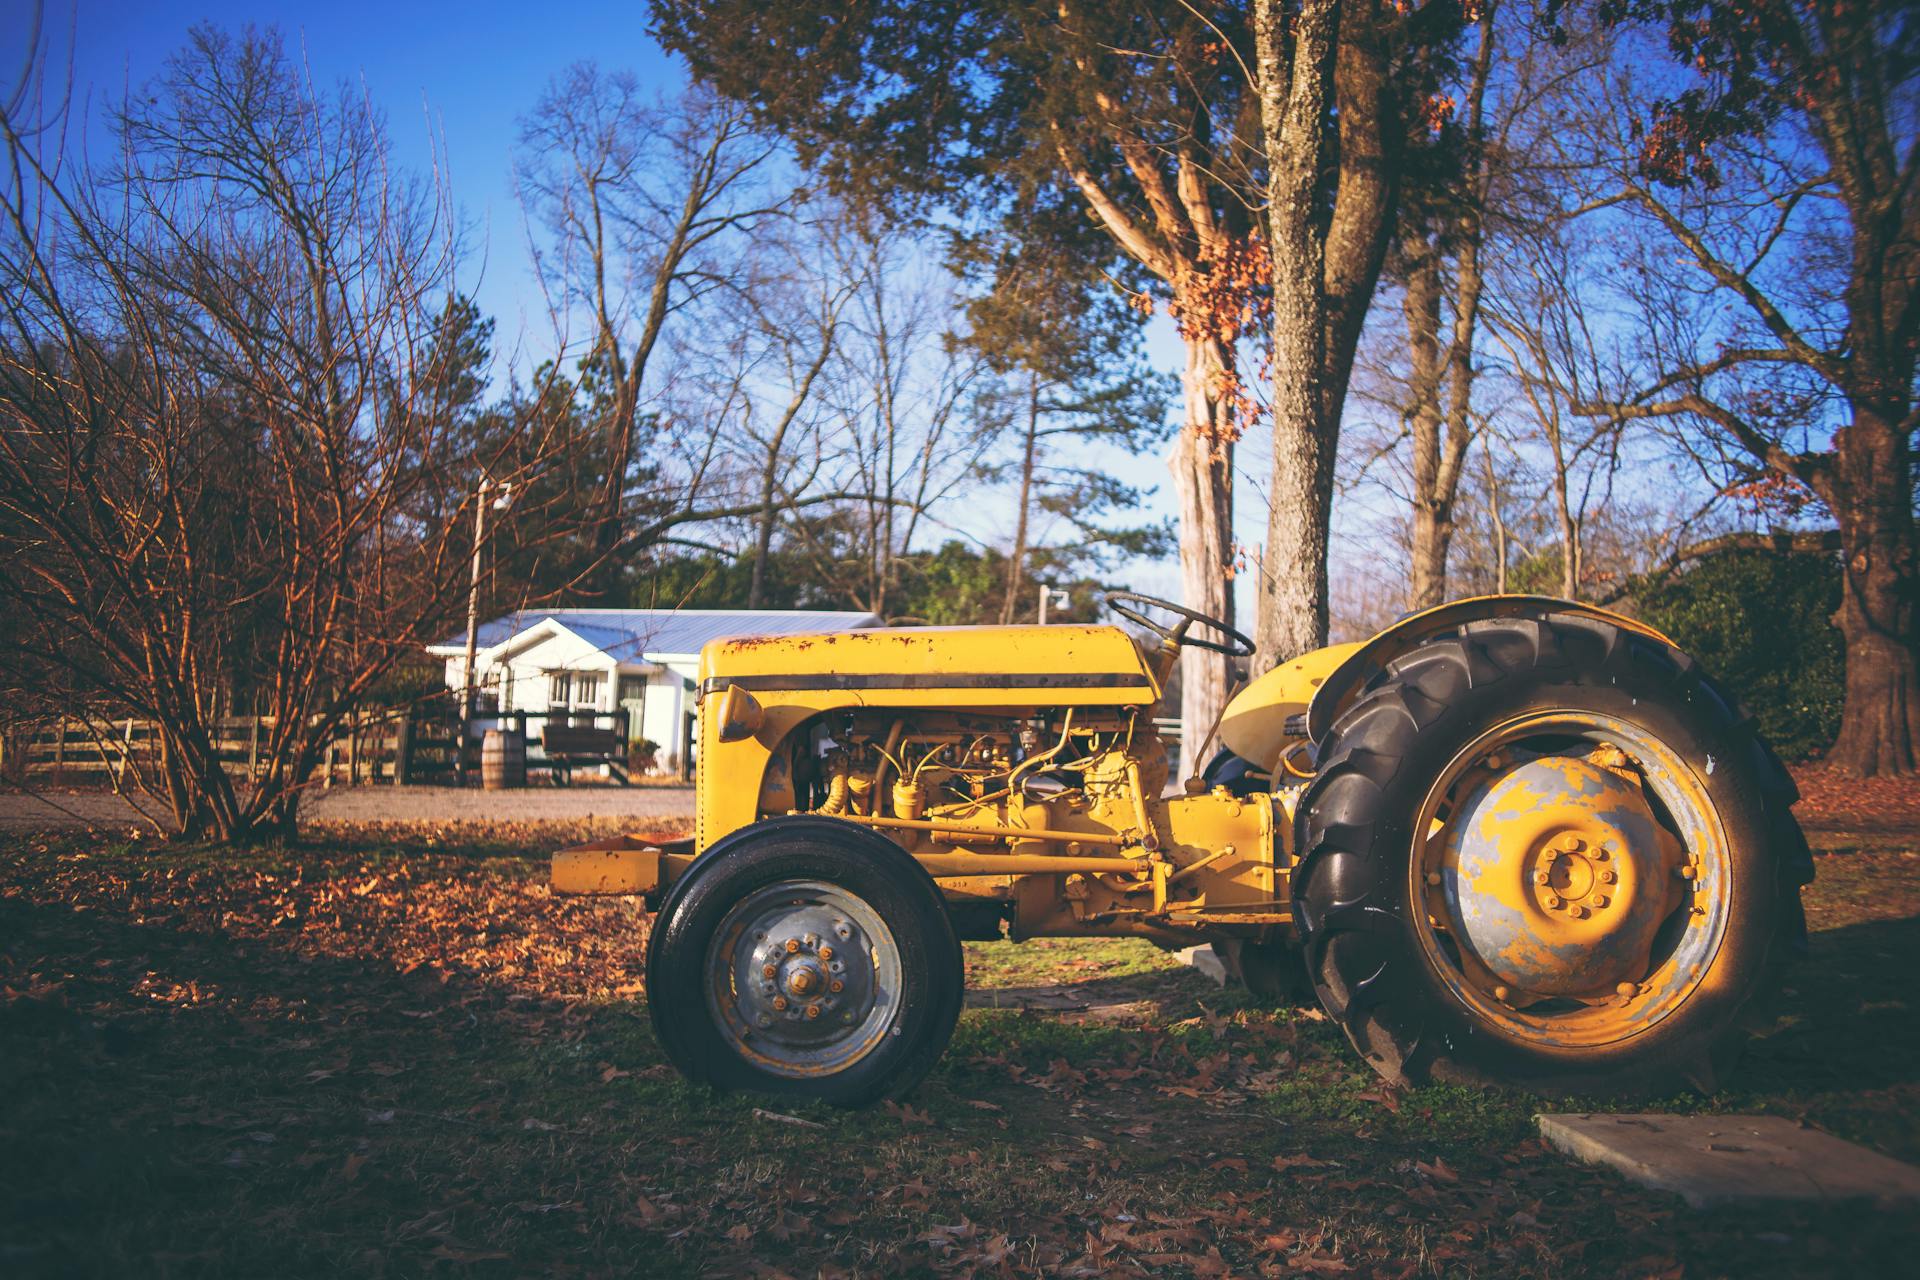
column 410, row 1062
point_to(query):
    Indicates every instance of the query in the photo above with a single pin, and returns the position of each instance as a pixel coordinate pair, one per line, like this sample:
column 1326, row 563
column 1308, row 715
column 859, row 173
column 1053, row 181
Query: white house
column 600, row 660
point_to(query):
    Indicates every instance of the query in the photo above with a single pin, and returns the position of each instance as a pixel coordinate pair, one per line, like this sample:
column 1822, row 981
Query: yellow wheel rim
column 1572, row 879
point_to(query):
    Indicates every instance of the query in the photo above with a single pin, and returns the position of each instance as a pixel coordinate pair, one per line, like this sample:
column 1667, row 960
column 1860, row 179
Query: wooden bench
column 570, row 745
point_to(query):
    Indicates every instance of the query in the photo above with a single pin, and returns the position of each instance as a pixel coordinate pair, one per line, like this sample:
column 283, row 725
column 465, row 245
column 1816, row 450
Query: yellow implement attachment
column 624, row 864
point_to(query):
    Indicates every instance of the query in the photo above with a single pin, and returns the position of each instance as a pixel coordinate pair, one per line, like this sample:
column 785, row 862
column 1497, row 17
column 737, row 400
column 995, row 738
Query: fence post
column 253, row 743
column 126, row 750
column 60, row 747
column 403, row 749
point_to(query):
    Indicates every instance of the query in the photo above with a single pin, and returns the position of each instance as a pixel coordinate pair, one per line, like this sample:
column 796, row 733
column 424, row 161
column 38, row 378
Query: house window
column 633, row 688
column 586, row 690
column 559, row 688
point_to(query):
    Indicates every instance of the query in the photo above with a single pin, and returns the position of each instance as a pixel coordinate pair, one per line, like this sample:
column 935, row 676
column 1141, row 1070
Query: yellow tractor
column 1513, row 839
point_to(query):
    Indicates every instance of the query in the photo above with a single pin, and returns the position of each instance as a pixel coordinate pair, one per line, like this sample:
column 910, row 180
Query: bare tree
column 1439, row 411
column 1786, row 179
column 902, row 393
column 218, row 434
column 644, row 205
column 795, row 315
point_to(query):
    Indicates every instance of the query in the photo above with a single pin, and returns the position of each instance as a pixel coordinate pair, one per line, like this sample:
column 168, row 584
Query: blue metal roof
column 627, row 634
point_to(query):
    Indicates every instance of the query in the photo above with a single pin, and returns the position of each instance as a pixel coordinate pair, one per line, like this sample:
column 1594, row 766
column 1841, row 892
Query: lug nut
column 1433, row 877
column 1688, row 872
column 793, row 945
column 767, row 971
column 826, row 953
column 1543, row 877
column 813, row 1011
column 780, row 1003
column 1501, row 994
column 1601, row 901
column 1627, row 989
column 1577, row 911
column 1553, row 901
column 1572, row 843
column 836, row 985
column 1608, row 877
column 1604, row 852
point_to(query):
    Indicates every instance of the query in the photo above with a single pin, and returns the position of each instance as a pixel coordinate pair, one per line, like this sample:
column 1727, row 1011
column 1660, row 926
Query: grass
column 383, row 1059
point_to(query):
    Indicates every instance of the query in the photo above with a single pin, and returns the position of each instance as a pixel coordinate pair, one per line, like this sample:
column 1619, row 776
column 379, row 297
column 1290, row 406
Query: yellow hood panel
column 930, row 658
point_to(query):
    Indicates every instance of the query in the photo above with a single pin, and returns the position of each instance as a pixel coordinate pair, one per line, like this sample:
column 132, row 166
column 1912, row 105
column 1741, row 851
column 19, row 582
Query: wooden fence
column 396, row 746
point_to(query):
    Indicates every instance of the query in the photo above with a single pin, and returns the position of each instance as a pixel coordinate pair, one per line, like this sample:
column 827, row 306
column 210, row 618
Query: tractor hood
column 1031, row 660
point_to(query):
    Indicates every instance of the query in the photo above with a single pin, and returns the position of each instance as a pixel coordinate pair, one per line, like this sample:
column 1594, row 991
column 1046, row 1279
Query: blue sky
column 461, row 71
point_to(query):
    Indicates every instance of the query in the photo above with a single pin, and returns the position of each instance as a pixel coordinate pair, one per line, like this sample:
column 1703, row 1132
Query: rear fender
column 1372, row 656
column 1301, row 699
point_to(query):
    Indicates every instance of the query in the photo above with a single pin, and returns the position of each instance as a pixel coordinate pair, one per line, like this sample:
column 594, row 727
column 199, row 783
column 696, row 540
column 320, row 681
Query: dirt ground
column 650, row 805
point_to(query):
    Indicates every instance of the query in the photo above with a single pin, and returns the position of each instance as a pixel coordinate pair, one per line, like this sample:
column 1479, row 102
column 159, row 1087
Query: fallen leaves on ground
column 416, row 1059
column 1834, row 801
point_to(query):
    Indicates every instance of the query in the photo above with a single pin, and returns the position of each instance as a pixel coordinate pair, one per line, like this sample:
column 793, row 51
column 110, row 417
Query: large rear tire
column 1546, row 852
column 805, row 957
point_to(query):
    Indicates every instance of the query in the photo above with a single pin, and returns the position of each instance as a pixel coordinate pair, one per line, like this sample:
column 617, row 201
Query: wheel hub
column 1556, row 876
column 799, row 978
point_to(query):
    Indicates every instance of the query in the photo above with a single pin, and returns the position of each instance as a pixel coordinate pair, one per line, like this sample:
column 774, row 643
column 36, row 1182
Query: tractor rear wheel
column 1546, row 852
column 805, row 957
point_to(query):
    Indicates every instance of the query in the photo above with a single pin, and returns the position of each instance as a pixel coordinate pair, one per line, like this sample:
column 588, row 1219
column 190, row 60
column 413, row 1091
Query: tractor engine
column 1052, row 820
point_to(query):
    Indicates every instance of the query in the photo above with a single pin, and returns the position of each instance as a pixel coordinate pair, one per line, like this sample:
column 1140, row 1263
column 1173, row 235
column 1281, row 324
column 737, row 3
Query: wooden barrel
column 503, row 759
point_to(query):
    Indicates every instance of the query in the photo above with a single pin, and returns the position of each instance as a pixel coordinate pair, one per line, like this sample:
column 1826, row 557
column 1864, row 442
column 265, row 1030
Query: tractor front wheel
column 805, row 957
column 1546, row 852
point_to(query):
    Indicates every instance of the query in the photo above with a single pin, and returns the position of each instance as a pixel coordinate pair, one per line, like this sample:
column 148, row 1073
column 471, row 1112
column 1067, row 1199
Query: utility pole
column 1049, row 594
column 473, row 608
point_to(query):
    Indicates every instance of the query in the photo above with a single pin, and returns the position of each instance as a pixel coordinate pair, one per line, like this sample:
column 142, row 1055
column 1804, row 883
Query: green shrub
column 1759, row 622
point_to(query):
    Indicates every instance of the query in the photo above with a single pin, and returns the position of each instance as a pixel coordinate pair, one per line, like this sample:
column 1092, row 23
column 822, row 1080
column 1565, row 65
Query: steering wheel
column 1235, row 645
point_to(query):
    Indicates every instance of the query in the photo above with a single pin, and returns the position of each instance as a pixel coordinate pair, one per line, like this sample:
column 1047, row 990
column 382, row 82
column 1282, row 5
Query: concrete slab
column 1205, row 961
column 1715, row 1160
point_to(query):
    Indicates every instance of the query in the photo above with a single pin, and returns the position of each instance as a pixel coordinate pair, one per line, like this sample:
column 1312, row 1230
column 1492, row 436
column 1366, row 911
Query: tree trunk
column 763, row 540
column 1432, row 507
column 1293, row 584
column 1325, row 266
column 1569, row 539
column 1202, row 464
column 1016, row 562
column 1498, row 521
column 1563, row 513
column 1440, row 443
column 1877, row 611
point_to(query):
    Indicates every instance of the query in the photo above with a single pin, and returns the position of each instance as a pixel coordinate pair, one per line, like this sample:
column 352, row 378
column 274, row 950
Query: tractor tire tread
column 1347, row 922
